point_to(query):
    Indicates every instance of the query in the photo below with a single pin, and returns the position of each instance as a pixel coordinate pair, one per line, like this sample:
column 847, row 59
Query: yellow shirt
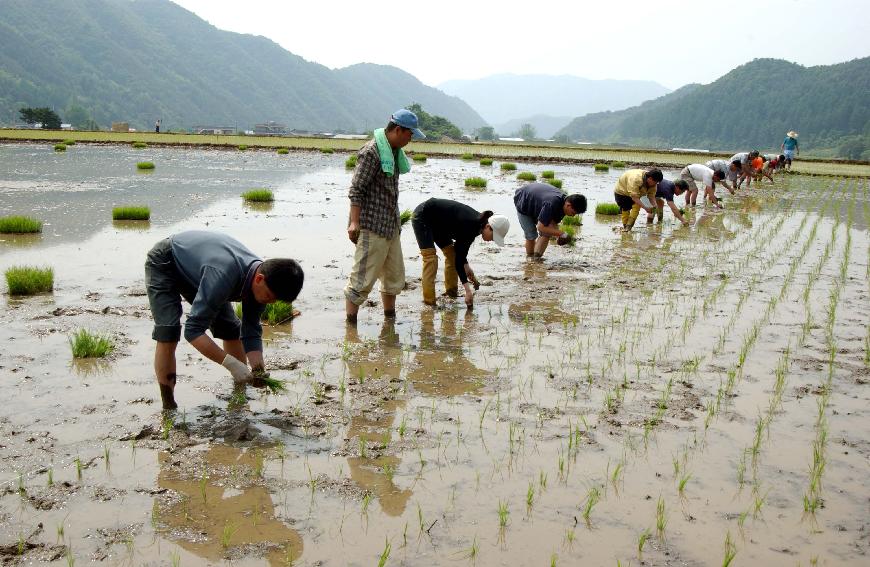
column 631, row 184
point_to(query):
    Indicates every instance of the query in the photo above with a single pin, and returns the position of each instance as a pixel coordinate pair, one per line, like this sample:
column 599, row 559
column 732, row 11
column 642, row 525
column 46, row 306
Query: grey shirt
column 220, row 269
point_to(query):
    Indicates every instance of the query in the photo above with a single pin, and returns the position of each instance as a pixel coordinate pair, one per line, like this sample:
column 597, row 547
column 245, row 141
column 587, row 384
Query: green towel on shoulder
column 385, row 150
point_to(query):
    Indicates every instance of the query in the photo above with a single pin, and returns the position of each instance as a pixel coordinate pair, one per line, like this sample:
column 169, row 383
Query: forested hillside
column 136, row 61
column 752, row 106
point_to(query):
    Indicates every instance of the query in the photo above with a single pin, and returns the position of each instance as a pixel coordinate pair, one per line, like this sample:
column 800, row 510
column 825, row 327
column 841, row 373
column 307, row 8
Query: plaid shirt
column 376, row 194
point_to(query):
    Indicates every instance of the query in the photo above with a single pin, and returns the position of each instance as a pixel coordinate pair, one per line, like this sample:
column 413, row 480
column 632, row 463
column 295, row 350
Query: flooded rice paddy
column 675, row 396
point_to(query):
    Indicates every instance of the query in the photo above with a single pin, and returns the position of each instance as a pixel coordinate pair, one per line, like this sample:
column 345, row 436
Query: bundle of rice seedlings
column 508, row 166
column 571, row 231
column 85, row 344
column 574, row 220
column 405, row 216
column 467, row 156
column 607, row 209
column 19, row 225
column 258, row 196
column 145, row 165
column 548, row 174
column 617, row 164
column 29, row 280
column 60, row 147
column 350, row 162
column 420, row 157
column 557, row 183
column 326, row 150
column 69, row 142
column 486, row 161
column 139, row 145
column 283, row 151
column 131, row 213
column 601, row 167
column 479, row 182
column 526, row 176
column 242, row 147
column 274, row 385
column 277, row 312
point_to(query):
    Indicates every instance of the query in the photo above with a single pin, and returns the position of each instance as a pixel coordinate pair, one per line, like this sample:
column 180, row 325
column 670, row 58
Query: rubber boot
column 625, row 216
column 430, row 269
column 451, row 278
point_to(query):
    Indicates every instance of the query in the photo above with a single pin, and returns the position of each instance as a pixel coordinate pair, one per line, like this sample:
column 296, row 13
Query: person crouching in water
column 453, row 226
column 636, row 190
column 665, row 192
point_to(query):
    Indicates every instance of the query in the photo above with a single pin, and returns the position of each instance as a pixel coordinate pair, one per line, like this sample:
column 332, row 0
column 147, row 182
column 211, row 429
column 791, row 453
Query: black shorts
column 625, row 202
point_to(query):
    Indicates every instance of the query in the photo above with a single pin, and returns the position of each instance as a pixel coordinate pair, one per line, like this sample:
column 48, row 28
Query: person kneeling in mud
column 453, row 226
column 665, row 191
column 210, row 270
column 636, row 190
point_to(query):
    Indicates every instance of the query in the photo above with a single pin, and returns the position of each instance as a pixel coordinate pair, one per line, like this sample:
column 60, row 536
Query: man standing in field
column 540, row 208
column 665, row 191
column 210, row 270
column 636, row 190
column 374, row 225
column 708, row 178
column 790, row 148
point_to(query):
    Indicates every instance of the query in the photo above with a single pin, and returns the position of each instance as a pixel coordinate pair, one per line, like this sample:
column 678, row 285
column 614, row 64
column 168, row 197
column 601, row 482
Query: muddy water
column 579, row 395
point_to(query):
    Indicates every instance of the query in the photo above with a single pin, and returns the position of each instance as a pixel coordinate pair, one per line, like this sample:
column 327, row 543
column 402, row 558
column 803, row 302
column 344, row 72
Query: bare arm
column 551, row 229
column 677, row 213
column 208, row 348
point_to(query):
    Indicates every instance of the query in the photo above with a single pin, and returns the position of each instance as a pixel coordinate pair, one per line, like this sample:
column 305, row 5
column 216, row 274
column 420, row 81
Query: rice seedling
column 258, row 196
column 227, row 533
column 553, row 560
column 60, row 147
column 507, row 166
column 277, row 312
column 259, row 464
column 69, row 142
column 503, row 514
column 107, row 455
column 681, row 487
column 85, row 344
column 617, row 164
column 78, row 464
column 139, row 145
column 283, row 151
column 131, row 213
column 145, row 165
column 526, row 176
column 557, row 183
column 530, row 497
column 548, row 174
column 350, row 162
column 730, row 550
column 661, row 518
column 405, row 216
column 274, row 385
column 49, row 481
column 642, row 539
column 327, row 150
column 574, row 220
column 70, row 558
column 467, row 157
column 242, row 147
column 385, row 554
column 479, row 182
column 19, row 225
column 485, row 161
column 175, row 558
column 607, row 209
column 592, row 498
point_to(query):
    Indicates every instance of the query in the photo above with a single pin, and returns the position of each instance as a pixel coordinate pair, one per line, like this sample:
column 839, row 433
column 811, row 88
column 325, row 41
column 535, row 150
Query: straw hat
column 792, row 134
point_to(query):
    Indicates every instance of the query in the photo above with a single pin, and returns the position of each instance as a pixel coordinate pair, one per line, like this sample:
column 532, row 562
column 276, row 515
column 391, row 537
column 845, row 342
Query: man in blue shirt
column 211, row 270
column 540, row 208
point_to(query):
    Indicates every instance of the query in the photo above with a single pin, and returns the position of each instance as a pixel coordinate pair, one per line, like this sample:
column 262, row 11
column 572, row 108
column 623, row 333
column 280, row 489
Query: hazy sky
column 673, row 42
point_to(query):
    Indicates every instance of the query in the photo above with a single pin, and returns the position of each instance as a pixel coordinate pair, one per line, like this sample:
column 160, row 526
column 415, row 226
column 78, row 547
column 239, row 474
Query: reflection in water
column 224, row 509
column 259, row 206
column 442, row 369
column 88, row 367
column 712, row 225
column 21, row 240
column 534, row 270
column 548, row 312
column 132, row 225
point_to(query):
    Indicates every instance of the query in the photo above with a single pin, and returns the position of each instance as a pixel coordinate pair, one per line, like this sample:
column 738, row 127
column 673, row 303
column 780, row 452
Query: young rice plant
column 131, row 213
column 29, row 280
column 85, row 344
column 19, row 225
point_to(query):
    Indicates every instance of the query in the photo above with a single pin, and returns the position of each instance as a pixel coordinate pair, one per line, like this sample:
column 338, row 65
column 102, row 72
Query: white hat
column 792, row 134
column 500, row 226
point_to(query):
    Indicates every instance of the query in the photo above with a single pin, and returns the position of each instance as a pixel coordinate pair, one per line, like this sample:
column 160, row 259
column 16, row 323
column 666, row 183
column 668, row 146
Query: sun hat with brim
column 407, row 119
column 792, row 134
column 500, row 226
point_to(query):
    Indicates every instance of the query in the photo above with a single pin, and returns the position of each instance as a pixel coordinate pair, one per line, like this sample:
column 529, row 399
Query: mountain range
column 753, row 105
column 140, row 60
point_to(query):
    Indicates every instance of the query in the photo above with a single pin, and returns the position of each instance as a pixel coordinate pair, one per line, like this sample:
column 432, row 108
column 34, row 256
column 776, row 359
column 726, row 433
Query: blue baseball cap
column 407, row 119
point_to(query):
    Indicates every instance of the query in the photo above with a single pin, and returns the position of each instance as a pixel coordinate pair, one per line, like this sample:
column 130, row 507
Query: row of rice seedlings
column 607, row 209
column 282, row 151
column 29, row 280
column 526, row 176
column 617, row 164
column 19, row 225
column 131, row 213
column 145, row 165
column 258, row 196
column 327, row 150
column 85, row 344
column 477, row 182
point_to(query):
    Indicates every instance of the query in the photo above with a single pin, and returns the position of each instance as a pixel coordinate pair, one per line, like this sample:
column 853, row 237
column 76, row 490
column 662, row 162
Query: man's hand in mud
column 258, row 381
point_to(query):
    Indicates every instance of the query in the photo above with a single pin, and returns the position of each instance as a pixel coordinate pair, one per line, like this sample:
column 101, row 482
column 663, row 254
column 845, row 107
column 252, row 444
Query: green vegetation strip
column 131, row 213
column 538, row 151
column 420, row 157
column 19, row 225
column 29, row 280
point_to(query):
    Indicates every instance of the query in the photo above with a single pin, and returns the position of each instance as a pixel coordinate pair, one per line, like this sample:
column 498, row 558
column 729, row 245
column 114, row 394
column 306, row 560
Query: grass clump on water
column 526, row 176
column 350, row 162
column 548, row 174
column 19, row 225
column 420, row 157
column 617, row 164
column 327, row 150
column 60, row 147
column 405, row 216
column 601, row 167
column 479, row 182
column 508, row 166
column 283, row 151
column 607, row 209
column 131, row 213
column 29, row 280
column 69, row 142
column 486, row 161
column 139, row 145
column 258, row 196
column 145, row 165
column 85, row 344
column 467, row 156
column 557, row 183
column 277, row 312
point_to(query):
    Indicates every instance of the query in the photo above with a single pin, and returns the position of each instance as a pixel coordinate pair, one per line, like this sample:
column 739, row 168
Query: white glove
column 240, row 371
